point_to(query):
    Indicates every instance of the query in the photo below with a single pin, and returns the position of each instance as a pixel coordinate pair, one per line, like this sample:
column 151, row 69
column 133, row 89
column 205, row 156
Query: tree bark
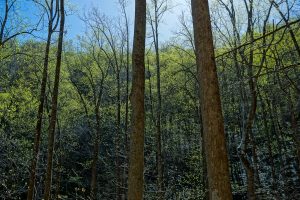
column 211, row 111
column 136, row 160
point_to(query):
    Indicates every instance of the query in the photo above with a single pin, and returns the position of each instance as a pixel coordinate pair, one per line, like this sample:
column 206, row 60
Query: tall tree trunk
column 38, row 128
column 136, row 160
column 250, row 170
column 159, row 159
column 211, row 111
column 159, row 9
column 248, row 134
column 51, row 139
column 125, row 170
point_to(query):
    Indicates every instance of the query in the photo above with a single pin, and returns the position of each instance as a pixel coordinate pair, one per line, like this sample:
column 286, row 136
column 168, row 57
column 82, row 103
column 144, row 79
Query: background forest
column 258, row 58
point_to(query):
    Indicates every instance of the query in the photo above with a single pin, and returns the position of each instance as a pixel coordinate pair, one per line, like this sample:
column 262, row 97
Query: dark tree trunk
column 38, row 128
column 212, row 118
column 136, row 160
column 159, row 158
column 125, row 170
column 51, row 139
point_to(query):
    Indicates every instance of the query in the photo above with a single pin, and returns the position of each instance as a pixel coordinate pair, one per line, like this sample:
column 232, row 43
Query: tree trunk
column 136, row 160
column 159, row 164
column 51, row 139
column 59, row 162
column 213, row 124
column 125, row 170
column 38, row 128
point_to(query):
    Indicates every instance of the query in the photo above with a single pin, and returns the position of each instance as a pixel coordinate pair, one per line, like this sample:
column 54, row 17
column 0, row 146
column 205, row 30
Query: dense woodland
column 212, row 112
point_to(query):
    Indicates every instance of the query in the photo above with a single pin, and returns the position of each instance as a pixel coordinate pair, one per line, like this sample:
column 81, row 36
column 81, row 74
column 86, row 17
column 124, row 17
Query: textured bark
column 51, row 139
column 38, row 128
column 136, row 160
column 213, row 124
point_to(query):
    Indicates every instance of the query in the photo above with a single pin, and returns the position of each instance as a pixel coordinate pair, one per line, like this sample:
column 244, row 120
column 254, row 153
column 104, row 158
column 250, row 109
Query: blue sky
column 28, row 13
column 110, row 7
column 76, row 26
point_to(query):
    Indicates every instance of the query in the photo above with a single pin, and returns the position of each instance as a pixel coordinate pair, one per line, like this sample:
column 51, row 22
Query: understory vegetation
column 257, row 58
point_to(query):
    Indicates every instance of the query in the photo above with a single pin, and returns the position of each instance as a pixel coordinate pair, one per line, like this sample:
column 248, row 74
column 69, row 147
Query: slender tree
column 212, row 119
column 160, row 7
column 51, row 132
column 53, row 14
column 136, row 160
column 126, row 63
column 97, row 97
